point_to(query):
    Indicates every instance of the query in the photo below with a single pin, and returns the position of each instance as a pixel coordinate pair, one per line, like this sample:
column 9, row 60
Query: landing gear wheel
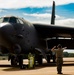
column 20, row 58
column 48, row 58
column 13, row 60
column 40, row 59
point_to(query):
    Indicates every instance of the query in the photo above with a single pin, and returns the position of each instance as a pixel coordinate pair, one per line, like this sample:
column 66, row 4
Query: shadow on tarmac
column 18, row 69
column 25, row 67
column 43, row 65
column 12, row 69
column 64, row 74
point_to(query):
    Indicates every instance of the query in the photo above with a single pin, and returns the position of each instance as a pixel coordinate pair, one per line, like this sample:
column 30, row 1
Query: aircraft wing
column 49, row 31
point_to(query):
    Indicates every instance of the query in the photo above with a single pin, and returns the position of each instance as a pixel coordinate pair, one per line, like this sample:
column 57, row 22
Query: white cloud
column 61, row 22
column 43, row 16
column 66, row 22
column 1, row 10
column 46, row 19
column 31, row 3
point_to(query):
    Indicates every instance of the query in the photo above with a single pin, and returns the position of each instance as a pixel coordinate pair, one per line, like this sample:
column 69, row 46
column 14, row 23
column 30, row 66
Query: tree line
column 66, row 54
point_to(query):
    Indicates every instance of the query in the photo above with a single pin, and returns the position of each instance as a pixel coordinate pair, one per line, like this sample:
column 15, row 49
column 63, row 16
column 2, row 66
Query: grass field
column 3, row 57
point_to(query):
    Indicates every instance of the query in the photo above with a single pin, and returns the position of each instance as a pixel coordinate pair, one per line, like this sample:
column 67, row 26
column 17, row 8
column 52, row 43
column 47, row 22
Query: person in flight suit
column 59, row 57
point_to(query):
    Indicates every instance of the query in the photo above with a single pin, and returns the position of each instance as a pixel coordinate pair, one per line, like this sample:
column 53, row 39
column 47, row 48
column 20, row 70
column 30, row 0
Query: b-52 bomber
column 19, row 37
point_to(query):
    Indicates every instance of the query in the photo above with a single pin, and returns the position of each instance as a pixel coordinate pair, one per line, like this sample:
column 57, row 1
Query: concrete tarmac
column 45, row 69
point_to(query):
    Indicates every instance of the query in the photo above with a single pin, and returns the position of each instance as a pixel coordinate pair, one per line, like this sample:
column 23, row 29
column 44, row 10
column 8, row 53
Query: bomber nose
column 6, row 28
column 6, row 31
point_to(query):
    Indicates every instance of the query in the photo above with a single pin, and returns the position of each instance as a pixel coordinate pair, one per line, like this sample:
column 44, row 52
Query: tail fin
column 53, row 13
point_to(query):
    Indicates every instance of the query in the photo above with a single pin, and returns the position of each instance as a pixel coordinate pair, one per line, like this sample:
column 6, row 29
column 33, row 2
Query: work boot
column 59, row 73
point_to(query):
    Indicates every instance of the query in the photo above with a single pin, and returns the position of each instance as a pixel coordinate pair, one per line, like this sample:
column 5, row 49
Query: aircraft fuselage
column 23, row 34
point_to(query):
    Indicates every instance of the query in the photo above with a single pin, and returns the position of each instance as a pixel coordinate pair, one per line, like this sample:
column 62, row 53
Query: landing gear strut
column 40, row 59
column 13, row 60
column 48, row 58
column 20, row 60
column 16, row 59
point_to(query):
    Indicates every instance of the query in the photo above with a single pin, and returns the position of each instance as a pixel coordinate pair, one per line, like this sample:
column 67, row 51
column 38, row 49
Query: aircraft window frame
column 1, row 19
column 20, row 21
column 17, row 20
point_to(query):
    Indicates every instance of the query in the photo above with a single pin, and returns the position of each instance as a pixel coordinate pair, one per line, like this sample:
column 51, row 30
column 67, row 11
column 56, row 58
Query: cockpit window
column 6, row 19
column 12, row 20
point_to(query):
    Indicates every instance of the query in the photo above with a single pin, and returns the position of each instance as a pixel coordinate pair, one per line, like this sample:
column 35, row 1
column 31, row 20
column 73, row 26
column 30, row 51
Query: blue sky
column 39, row 11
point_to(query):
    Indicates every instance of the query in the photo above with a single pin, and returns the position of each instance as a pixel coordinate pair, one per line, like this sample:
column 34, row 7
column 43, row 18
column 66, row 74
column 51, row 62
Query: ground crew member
column 59, row 57
column 31, row 60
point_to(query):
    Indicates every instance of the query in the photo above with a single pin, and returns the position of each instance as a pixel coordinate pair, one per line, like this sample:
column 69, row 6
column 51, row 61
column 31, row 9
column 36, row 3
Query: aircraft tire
column 20, row 58
column 13, row 60
column 48, row 58
column 40, row 59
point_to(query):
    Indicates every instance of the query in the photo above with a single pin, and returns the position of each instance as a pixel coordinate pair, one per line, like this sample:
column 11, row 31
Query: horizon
column 69, row 51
